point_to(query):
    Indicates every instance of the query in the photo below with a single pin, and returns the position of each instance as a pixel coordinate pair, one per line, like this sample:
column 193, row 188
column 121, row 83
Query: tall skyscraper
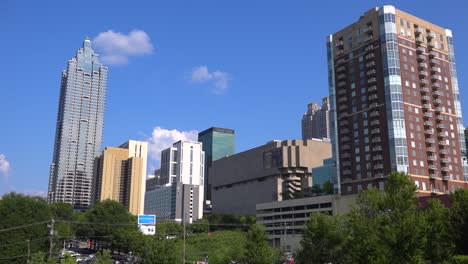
column 80, row 122
column 395, row 103
column 217, row 143
column 120, row 175
column 316, row 121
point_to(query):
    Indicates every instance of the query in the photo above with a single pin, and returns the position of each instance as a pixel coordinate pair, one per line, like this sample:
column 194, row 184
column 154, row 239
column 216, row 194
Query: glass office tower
column 217, row 143
column 80, row 123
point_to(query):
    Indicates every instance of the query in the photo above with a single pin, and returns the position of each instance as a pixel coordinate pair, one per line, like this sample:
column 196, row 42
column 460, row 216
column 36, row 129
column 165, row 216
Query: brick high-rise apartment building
column 395, row 103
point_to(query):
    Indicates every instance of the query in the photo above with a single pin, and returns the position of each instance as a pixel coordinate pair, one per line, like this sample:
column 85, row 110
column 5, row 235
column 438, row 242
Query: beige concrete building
column 272, row 172
column 284, row 221
column 120, row 175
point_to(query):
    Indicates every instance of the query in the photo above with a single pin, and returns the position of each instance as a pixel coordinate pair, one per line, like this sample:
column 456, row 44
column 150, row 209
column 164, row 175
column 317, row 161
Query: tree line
column 390, row 226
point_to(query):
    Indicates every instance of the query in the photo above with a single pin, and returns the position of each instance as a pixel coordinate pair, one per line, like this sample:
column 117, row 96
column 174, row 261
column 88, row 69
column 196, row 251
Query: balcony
column 342, row 107
column 372, row 80
column 436, row 85
column 431, row 149
column 432, row 158
column 446, row 169
column 345, row 139
column 428, row 123
column 429, row 132
column 433, row 54
column 342, row 99
column 431, row 35
column 368, row 29
column 433, row 176
column 346, row 147
column 438, row 101
column 430, row 44
column 419, row 40
column 370, row 47
column 426, row 98
column 423, row 82
column 374, row 105
column 346, row 172
column 439, row 109
column 371, row 72
column 346, row 155
column 432, row 167
column 423, row 73
column 373, row 88
column 445, row 160
column 434, row 62
column 422, row 65
column 435, row 191
column 341, row 84
column 378, row 166
column 378, row 157
column 375, row 131
column 446, row 178
column 344, row 123
column 439, row 117
column 344, row 131
column 370, row 56
column 346, row 164
column 376, row 140
column 421, row 57
column 428, row 114
column 443, row 152
column 438, row 93
column 436, row 77
column 375, row 122
column 369, row 38
column 340, row 61
column 441, row 135
column 377, row 148
column 425, row 90
column 341, row 69
column 430, row 140
column 427, row 106
column 374, row 113
column 420, row 50
column 442, row 143
column 370, row 64
column 435, row 69
column 340, row 43
column 419, row 30
column 373, row 97
column 341, row 92
column 341, row 76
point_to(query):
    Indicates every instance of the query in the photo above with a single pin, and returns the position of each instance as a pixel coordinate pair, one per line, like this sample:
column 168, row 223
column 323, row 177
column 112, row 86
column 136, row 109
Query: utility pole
column 51, row 237
column 29, row 250
column 183, row 259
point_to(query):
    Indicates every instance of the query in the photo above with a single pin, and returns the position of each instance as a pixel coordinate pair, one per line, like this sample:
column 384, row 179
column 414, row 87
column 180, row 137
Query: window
column 381, row 186
column 424, row 186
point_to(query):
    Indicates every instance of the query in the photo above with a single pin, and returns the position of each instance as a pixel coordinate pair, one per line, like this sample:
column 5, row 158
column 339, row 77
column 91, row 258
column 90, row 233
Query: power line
column 23, row 226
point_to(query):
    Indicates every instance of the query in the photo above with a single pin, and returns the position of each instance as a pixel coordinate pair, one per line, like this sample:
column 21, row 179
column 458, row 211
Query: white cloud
column 4, row 166
column 116, row 47
column 220, row 79
column 162, row 139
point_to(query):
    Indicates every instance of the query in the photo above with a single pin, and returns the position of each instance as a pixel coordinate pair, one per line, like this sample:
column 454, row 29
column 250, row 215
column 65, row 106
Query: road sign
column 148, row 229
column 146, row 219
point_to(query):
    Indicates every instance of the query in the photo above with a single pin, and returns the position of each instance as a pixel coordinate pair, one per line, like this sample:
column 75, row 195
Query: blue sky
column 265, row 60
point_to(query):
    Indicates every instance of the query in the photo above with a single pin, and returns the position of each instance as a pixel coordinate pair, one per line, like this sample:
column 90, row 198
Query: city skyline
column 212, row 77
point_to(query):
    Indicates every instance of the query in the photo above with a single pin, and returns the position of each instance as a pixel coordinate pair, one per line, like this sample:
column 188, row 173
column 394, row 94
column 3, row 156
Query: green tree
column 387, row 225
column 21, row 210
column 200, row 226
column 38, row 258
column 68, row 259
column 257, row 248
column 104, row 258
column 439, row 246
column 322, row 241
column 163, row 251
column 459, row 220
column 108, row 222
